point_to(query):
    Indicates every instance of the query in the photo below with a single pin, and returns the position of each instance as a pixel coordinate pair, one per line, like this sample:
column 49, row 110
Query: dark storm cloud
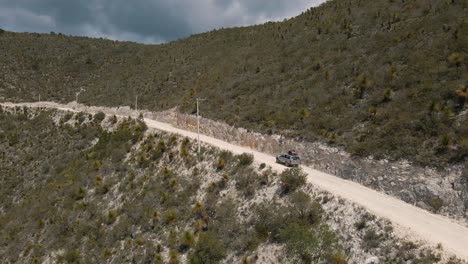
column 149, row 21
column 148, row 18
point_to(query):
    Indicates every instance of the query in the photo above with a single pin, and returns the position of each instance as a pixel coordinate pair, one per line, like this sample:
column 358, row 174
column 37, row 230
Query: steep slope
column 106, row 190
column 86, row 193
column 382, row 78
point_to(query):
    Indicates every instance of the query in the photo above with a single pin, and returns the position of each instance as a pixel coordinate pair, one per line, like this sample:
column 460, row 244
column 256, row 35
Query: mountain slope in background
column 381, row 78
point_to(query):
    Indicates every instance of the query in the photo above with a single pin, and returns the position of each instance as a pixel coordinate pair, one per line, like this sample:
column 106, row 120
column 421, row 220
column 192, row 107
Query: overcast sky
column 147, row 21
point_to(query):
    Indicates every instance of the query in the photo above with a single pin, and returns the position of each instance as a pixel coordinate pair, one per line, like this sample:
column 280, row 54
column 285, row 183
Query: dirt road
column 408, row 220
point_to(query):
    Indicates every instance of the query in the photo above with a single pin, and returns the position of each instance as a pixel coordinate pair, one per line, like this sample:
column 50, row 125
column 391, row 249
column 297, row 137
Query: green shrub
column 161, row 146
column 113, row 119
column 80, row 117
column 103, row 188
column 140, row 241
column 300, row 241
column 13, row 139
column 170, row 216
column 371, row 239
column 184, row 151
column 209, row 249
column 172, row 239
column 361, row 224
column 310, row 243
column 79, row 194
column 111, row 217
column 89, row 61
column 301, row 201
column 226, row 155
column 99, row 116
column 158, row 259
column 173, row 257
column 455, row 59
column 245, row 159
column 262, row 166
column 436, row 203
column 220, row 164
column 304, row 208
column 247, row 181
column 118, row 154
column 292, row 179
column 338, row 258
column 186, row 241
column 67, row 117
column 198, row 209
column 271, row 218
column 428, row 256
column 72, row 256
column 445, row 140
column 107, row 253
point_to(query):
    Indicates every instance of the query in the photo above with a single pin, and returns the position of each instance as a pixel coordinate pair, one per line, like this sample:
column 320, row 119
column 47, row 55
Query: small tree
column 173, row 256
column 300, row 241
column 186, row 241
column 362, row 84
column 208, row 249
column 436, row 203
column 455, row 59
column 221, row 164
column 89, row 61
column 245, row 159
column 98, row 117
column 292, row 179
column 111, row 217
column 71, row 256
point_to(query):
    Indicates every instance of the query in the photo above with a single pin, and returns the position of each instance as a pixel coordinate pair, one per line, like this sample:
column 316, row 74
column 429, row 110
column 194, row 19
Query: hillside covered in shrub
column 91, row 190
column 377, row 77
column 80, row 188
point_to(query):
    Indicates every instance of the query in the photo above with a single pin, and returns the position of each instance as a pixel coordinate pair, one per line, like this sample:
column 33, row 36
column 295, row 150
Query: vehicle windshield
column 295, row 158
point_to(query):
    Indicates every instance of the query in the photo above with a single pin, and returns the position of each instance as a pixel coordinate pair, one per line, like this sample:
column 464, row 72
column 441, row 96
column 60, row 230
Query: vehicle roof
column 289, row 156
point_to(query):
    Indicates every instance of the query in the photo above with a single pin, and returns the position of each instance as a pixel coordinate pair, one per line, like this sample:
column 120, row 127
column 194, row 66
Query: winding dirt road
column 408, row 220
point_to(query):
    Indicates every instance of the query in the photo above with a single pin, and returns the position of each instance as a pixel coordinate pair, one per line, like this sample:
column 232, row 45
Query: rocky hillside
column 79, row 188
column 377, row 77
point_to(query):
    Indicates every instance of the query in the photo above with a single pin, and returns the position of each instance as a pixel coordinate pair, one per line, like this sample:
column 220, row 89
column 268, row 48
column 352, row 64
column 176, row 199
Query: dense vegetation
column 378, row 77
column 74, row 192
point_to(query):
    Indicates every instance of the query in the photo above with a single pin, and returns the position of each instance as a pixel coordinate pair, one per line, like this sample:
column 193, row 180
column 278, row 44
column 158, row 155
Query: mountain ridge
column 379, row 78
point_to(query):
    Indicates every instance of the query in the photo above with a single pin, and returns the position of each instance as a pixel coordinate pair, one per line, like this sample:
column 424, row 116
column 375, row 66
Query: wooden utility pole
column 198, row 124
